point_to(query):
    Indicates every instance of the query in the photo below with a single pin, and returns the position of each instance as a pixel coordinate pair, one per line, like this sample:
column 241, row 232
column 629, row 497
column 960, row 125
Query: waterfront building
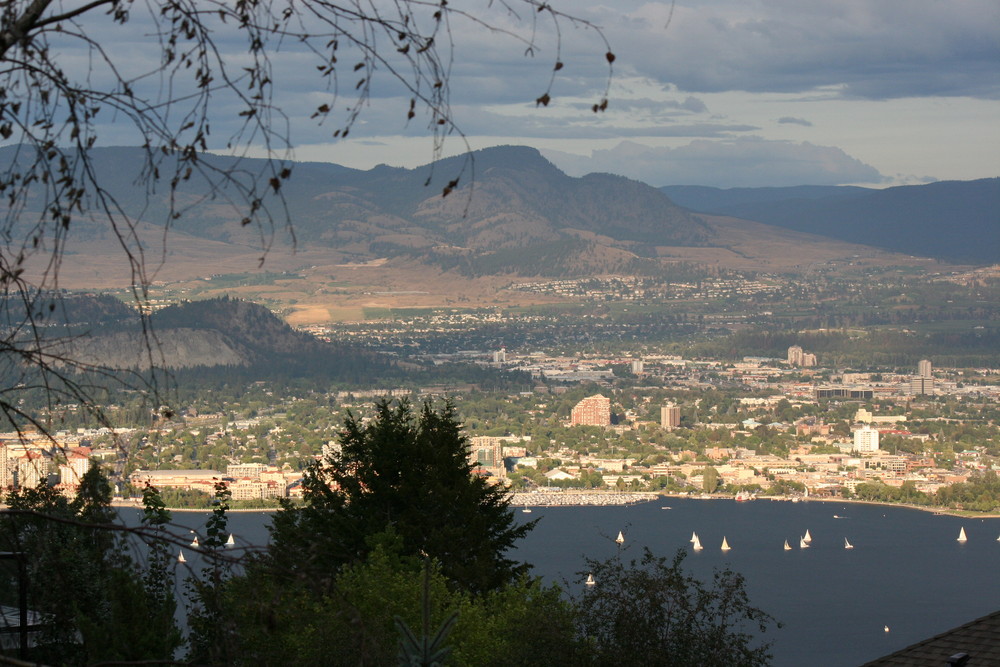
column 592, row 411
column 76, row 466
column 248, row 470
column 486, row 453
column 32, row 468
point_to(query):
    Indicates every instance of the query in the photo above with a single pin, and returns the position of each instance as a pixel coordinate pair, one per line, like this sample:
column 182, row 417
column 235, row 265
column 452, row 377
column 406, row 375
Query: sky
column 725, row 93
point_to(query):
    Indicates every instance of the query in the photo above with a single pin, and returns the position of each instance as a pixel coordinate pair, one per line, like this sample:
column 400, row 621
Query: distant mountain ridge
column 951, row 220
column 513, row 213
column 507, row 199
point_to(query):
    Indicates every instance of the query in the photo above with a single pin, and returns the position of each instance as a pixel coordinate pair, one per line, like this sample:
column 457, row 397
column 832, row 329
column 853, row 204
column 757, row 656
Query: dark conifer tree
column 412, row 475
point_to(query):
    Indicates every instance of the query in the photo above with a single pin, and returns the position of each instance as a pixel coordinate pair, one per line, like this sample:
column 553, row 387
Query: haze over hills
column 512, row 214
column 951, row 220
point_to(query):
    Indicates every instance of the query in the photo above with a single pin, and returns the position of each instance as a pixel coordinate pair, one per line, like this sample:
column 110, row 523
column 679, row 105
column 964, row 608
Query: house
column 975, row 644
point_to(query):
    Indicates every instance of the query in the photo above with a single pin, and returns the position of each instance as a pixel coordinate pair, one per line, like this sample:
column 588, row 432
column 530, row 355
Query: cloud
column 873, row 49
column 744, row 162
column 789, row 120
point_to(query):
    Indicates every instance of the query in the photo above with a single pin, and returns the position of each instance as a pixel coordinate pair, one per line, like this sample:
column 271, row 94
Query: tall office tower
column 924, row 368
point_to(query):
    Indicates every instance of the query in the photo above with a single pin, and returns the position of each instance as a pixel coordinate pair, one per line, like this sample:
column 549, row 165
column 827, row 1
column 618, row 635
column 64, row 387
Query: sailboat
column 194, row 542
column 590, row 580
column 961, row 535
column 803, row 543
column 526, row 510
column 620, row 539
column 787, row 548
column 697, row 543
column 180, row 557
column 231, row 542
column 694, row 537
column 808, row 538
column 847, row 545
column 725, row 544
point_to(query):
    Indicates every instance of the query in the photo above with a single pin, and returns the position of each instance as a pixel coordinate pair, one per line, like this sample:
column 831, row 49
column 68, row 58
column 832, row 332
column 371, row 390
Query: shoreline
column 933, row 509
column 625, row 498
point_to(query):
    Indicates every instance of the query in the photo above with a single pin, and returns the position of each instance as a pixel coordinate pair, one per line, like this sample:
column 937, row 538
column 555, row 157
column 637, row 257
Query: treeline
column 981, row 493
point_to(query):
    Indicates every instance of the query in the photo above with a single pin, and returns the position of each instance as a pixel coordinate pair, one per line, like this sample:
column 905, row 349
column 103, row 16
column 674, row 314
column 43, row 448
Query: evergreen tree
column 410, row 474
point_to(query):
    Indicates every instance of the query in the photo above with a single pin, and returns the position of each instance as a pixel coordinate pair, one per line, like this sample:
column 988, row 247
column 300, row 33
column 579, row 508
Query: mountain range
column 511, row 212
column 949, row 220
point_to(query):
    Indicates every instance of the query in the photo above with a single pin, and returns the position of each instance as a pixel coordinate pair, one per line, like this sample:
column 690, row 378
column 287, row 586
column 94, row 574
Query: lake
column 907, row 571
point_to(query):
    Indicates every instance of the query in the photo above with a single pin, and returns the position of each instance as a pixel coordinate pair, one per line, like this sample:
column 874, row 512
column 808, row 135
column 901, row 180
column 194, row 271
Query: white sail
column 961, row 535
column 180, row 557
column 231, row 542
column 803, row 543
column 808, row 538
column 620, row 539
column 725, row 544
column 847, row 545
column 694, row 537
column 787, row 548
column 697, row 543
column 194, row 542
column 590, row 580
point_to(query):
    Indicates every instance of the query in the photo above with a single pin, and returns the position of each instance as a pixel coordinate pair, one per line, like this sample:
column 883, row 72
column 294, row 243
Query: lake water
column 907, row 571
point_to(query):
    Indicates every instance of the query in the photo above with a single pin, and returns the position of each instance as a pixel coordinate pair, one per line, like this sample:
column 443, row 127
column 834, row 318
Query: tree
column 210, row 80
column 353, row 621
column 650, row 612
column 85, row 577
column 411, row 474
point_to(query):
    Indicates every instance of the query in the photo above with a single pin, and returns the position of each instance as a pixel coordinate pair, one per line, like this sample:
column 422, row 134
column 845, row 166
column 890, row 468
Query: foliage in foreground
column 84, row 581
column 412, row 548
column 651, row 612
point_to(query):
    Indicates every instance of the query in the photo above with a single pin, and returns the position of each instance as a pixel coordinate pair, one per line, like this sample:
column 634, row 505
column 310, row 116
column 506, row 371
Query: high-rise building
column 866, row 439
column 76, row 466
column 500, row 356
column 924, row 368
column 592, row 411
column 670, row 417
column 798, row 357
column 637, row 366
column 32, row 468
column 486, row 452
column 795, row 355
column 921, row 385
